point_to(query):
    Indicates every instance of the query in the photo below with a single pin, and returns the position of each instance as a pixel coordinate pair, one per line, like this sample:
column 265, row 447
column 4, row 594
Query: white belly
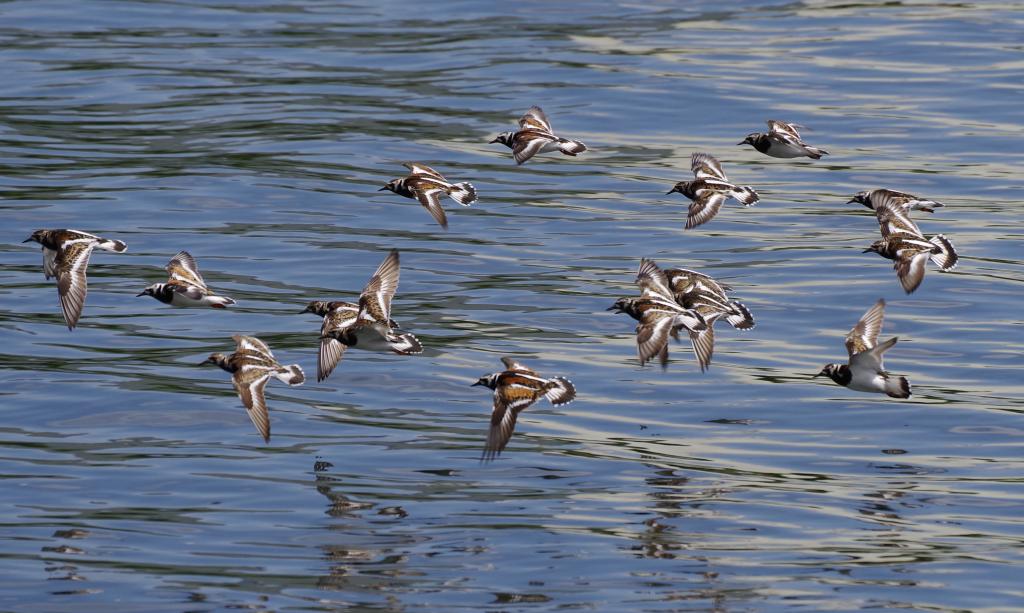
column 867, row 381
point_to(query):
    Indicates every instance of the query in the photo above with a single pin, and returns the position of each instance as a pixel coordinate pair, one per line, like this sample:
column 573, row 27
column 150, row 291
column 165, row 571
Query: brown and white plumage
column 367, row 325
column 658, row 314
column 515, row 389
column 66, row 257
column 185, row 287
column 782, row 141
column 709, row 190
column 865, row 371
column 427, row 185
column 251, row 366
column 908, row 202
column 536, row 136
column 904, row 243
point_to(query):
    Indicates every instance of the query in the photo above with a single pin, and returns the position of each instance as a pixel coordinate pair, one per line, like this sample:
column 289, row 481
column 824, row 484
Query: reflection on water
column 256, row 136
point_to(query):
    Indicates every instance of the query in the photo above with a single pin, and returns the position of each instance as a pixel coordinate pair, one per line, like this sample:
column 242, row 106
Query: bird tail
column 741, row 318
column 292, row 375
column 814, row 153
column 571, row 147
column 404, row 344
column 220, row 302
column 946, row 258
column 745, row 195
column 112, row 245
column 897, row 387
column 463, row 193
column 560, row 391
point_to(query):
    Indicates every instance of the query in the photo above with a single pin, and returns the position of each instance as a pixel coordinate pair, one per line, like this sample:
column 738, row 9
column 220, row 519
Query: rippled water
column 256, row 134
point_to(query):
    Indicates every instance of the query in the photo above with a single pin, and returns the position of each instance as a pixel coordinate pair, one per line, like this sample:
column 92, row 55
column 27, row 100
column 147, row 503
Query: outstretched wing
column 375, row 300
column 652, row 336
column 652, row 281
column 893, row 217
column 535, row 119
column 784, row 131
column 423, row 170
column 704, row 208
column 705, row 166
column 512, row 364
column 431, row 200
column 252, row 345
column 249, row 384
column 72, row 285
column 528, row 143
column 864, row 335
column 183, row 268
column 509, row 400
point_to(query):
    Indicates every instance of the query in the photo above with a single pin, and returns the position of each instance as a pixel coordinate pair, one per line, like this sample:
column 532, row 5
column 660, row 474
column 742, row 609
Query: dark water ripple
column 256, row 135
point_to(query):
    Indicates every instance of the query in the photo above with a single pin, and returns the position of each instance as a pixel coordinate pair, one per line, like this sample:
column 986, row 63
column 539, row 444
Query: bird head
column 37, row 236
column 861, row 198
column 149, row 291
column 750, row 139
column 490, row 381
column 505, row 138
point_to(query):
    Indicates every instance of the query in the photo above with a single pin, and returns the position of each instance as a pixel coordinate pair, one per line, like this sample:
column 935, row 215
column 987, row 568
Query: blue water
column 255, row 135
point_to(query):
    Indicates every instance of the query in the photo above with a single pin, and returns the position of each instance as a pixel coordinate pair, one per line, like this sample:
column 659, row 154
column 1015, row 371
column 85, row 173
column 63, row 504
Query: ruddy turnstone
column 709, row 190
column 782, row 141
column 697, row 291
column 251, row 366
column 426, row 185
column 185, row 286
column 659, row 315
column 367, row 325
column 908, row 202
column 536, row 136
column 66, row 257
column 865, row 371
column 904, row 243
column 516, row 388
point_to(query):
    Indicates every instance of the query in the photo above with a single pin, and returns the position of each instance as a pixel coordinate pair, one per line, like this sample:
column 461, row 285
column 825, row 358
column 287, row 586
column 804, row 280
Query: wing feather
column 864, row 335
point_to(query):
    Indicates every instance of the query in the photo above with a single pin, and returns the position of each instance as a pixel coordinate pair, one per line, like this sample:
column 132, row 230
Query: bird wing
column 423, row 170
column 910, row 267
column 703, row 342
column 705, row 166
column 893, row 218
column 70, row 266
column 331, row 350
column 535, row 119
column 864, row 335
column 872, row 358
column 512, row 364
column 182, row 267
column 652, row 335
column 652, row 281
column 249, row 383
column 375, row 299
column 784, row 131
column 253, row 346
column 704, row 208
column 529, row 142
column 510, row 398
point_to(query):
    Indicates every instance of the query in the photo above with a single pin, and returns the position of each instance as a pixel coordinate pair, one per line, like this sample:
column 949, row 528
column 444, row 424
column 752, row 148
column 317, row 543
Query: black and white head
column 215, row 358
column 682, row 187
column 317, row 307
column 489, row 381
column 505, row 138
column 840, row 373
column 863, row 197
column 622, row 305
column 751, row 139
column 393, row 186
column 875, row 247
column 37, row 236
column 152, row 290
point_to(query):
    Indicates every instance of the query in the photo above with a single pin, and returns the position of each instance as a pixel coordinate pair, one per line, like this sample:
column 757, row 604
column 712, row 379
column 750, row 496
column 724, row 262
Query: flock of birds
column 670, row 300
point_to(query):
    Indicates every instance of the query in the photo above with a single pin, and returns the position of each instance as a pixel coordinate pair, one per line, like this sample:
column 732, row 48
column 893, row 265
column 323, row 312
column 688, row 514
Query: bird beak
column 868, row 250
column 383, row 189
column 27, row 240
column 203, row 363
column 852, row 201
column 142, row 293
column 476, row 384
column 611, row 308
column 671, row 191
column 493, row 141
